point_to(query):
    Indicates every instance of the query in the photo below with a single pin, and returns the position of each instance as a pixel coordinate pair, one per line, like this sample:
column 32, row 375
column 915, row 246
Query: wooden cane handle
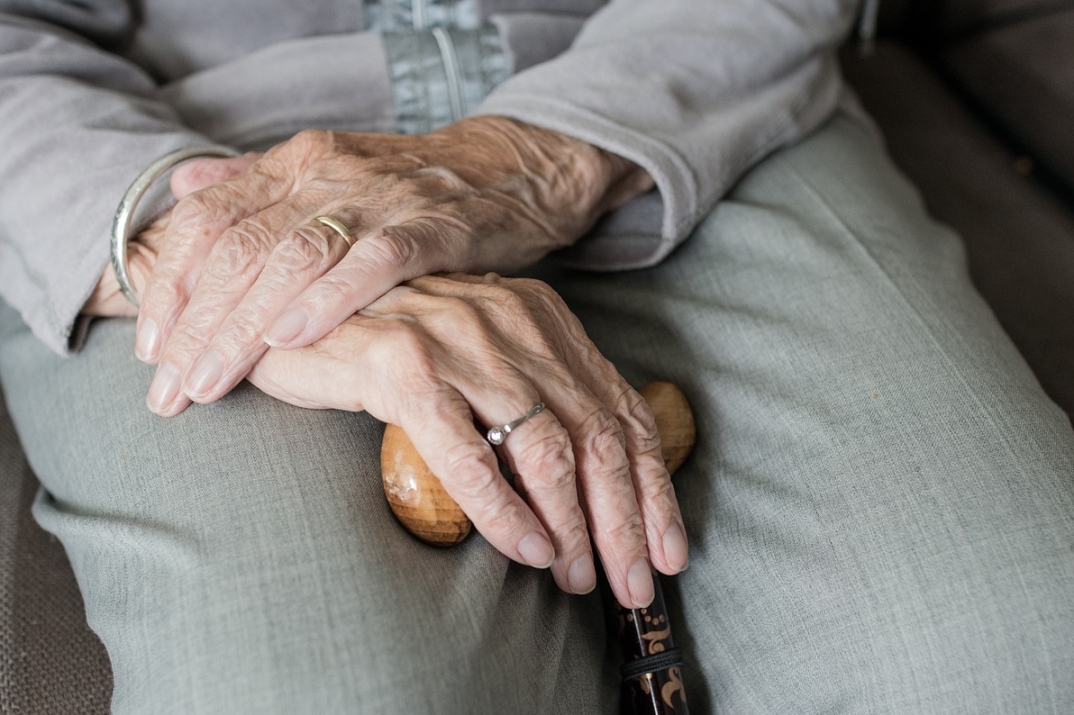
column 425, row 509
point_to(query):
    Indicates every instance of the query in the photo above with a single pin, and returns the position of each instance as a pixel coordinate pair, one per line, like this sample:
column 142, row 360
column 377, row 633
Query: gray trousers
column 881, row 504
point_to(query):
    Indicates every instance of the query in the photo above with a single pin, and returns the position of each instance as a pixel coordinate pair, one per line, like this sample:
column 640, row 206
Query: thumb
column 198, row 174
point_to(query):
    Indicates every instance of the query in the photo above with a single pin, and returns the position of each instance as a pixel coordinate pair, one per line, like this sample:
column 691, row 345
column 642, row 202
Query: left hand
column 243, row 267
column 438, row 352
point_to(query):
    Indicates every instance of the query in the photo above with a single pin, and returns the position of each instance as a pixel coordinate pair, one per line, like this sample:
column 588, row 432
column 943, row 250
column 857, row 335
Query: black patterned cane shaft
column 652, row 668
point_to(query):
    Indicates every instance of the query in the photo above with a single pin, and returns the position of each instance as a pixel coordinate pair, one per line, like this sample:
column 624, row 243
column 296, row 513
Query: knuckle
column 413, row 186
column 205, row 172
column 469, row 469
column 411, row 345
column 459, row 314
column 334, row 288
column 439, row 180
column 573, row 531
column 513, row 304
column 604, row 438
column 186, row 340
column 312, row 141
column 405, row 348
column 552, row 460
column 661, row 493
column 638, row 419
column 500, row 299
column 243, row 329
column 241, row 248
column 191, row 208
column 503, row 516
column 400, row 336
column 502, row 294
column 164, row 292
column 625, row 533
column 389, row 249
column 544, row 301
column 300, row 250
column 203, row 209
column 538, row 288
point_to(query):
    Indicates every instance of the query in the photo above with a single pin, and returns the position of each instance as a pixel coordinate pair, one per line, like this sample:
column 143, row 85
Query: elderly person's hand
column 438, row 352
column 243, row 265
column 107, row 300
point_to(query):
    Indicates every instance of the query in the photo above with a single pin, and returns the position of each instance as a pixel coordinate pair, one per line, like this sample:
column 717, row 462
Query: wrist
column 573, row 182
column 107, row 299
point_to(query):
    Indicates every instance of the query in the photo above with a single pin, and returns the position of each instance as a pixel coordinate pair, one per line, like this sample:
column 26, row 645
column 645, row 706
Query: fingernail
column 164, row 388
column 675, row 550
column 582, row 575
column 640, row 583
column 537, row 551
column 206, row 374
column 287, row 327
column 145, row 349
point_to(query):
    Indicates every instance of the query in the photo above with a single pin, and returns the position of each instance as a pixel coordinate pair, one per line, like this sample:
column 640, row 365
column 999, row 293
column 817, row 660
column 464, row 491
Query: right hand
column 107, row 301
column 244, row 266
column 438, row 352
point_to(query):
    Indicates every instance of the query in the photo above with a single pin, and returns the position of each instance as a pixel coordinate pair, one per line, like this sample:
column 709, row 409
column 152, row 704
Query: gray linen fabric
column 881, row 505
column 695, row 91
column 882, row 500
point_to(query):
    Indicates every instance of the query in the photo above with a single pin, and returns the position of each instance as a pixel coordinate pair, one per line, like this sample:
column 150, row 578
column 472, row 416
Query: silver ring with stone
column 497, row 435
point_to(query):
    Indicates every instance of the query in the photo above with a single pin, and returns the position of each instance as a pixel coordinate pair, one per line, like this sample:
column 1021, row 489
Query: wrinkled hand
column 142, row 251
column 438, row 352
column 242, row 264
column 106, row 299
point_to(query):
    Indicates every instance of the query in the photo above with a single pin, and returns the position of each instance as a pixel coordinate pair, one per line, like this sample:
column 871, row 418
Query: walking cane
column 652, row 672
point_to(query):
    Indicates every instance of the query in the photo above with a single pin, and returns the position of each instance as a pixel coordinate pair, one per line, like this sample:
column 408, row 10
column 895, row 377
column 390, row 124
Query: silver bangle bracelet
column 121, row 224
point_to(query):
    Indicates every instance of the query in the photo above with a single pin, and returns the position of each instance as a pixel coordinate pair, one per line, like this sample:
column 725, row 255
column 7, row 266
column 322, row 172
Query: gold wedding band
column 337, row 227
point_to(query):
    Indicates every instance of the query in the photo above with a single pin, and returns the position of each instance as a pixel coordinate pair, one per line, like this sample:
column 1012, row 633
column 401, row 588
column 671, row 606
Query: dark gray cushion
column 1019, row 234
column 960, row 16
column 50, row 662
column 1024, row 75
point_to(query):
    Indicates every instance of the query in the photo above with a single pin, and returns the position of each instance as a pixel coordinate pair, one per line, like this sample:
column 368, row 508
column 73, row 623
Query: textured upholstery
column 956, row 18
column 963, row 15
column 1024, row 75
column 50, row 662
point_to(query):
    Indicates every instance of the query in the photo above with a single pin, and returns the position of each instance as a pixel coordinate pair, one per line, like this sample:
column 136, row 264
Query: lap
column 881, row 505
column 241, row 557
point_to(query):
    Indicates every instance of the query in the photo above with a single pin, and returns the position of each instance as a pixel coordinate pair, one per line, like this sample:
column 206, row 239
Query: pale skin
column 236, row 282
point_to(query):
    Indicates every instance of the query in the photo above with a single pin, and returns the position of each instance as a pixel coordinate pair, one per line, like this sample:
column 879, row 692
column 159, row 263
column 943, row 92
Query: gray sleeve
column 77, row 125
column 694, row 91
